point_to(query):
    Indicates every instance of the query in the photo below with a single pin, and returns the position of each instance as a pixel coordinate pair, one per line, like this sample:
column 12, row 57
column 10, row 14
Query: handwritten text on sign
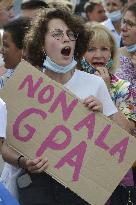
column 74, row 158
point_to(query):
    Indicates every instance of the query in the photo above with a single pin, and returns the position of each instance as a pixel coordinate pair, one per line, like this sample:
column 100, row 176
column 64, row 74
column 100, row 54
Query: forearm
column 11, row 156
column 120, row 119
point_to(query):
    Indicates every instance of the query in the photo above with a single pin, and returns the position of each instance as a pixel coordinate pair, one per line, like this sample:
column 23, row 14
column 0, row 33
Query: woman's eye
column 104, row 49
column 91, row 49
column 107, row 4
column 56, row 34
column 71, row 34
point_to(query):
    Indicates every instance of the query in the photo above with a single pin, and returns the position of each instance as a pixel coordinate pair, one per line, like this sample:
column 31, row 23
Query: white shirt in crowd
column 108, row 23
column 3, row 118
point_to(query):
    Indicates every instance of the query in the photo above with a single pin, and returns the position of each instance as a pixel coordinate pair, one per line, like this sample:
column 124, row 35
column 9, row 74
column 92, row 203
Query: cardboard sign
column 86, row 151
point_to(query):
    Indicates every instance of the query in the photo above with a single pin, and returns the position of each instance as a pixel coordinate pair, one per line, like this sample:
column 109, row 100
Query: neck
column 60, row 78
column 130, row 55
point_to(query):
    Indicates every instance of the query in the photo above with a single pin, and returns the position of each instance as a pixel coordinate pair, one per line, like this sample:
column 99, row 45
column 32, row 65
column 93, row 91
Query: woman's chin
column 65, row 62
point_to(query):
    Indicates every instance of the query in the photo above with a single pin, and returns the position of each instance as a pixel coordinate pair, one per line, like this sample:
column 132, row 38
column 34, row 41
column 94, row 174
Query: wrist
column 21, row 161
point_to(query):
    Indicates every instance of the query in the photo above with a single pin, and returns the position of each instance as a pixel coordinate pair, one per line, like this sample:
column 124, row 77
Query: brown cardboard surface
column 86, row 151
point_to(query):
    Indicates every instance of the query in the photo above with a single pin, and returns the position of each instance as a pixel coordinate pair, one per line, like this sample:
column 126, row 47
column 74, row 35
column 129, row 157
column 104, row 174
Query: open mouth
column 66, row 51
column 98, row 64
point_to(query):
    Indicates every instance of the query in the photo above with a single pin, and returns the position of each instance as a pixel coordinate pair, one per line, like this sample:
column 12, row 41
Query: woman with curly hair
column 53, row 44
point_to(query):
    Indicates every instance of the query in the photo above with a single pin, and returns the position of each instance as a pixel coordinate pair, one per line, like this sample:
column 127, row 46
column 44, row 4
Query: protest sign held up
column 86, row 151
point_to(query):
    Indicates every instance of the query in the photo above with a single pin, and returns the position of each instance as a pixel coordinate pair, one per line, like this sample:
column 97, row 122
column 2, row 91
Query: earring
column 43, row 51
column 43, row 54
column 23, row 54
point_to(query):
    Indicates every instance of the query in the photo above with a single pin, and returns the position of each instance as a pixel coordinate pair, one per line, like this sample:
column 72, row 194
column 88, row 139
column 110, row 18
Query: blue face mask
column 48, row 64
column 114, row 16
column 131, row 48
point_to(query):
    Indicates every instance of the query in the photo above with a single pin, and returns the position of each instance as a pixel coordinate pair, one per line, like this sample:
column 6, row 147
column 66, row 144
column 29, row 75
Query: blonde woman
column 101, row 59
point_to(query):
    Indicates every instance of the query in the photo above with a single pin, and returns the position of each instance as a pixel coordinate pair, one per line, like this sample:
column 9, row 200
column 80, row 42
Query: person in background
column 102, row 60
column 61, row 4
column 79, row 8
column 114, row 9
column 13, row 39
column 3, row 121
column 129, row 2
column 6, row 11
column 13, row 36
column 62, row 39
column 127, row 69
column 29, row 8
column 6, row 198
column 95, row 11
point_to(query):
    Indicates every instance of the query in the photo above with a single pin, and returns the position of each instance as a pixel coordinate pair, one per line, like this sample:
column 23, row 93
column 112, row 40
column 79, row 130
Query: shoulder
column 107, row 23
column 123, row 51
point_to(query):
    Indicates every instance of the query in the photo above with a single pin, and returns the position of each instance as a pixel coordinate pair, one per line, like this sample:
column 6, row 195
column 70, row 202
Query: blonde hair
column 61, row 4
column 103, row 36
column 5, row 3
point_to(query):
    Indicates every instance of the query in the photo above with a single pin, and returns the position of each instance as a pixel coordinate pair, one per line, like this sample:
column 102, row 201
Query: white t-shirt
column 83, row 84
column 9, row 173
column 108, row 23
column 3, row 118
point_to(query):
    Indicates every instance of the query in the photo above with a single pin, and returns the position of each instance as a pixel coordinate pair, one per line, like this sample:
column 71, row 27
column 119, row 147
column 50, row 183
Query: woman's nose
column 66, row 37
column 98, row 53
column 110, row 8
column 123, row 27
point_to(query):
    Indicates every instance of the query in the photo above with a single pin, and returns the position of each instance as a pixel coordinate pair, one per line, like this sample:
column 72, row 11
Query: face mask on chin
column 50, row 65
column 131, row 48
column 114, row 16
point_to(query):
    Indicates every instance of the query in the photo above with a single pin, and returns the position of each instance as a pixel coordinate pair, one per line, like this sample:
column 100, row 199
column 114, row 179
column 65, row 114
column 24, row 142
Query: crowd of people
column 89, row 47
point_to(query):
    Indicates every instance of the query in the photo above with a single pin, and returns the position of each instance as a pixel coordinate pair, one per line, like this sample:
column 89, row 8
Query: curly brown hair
column 34, row 40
